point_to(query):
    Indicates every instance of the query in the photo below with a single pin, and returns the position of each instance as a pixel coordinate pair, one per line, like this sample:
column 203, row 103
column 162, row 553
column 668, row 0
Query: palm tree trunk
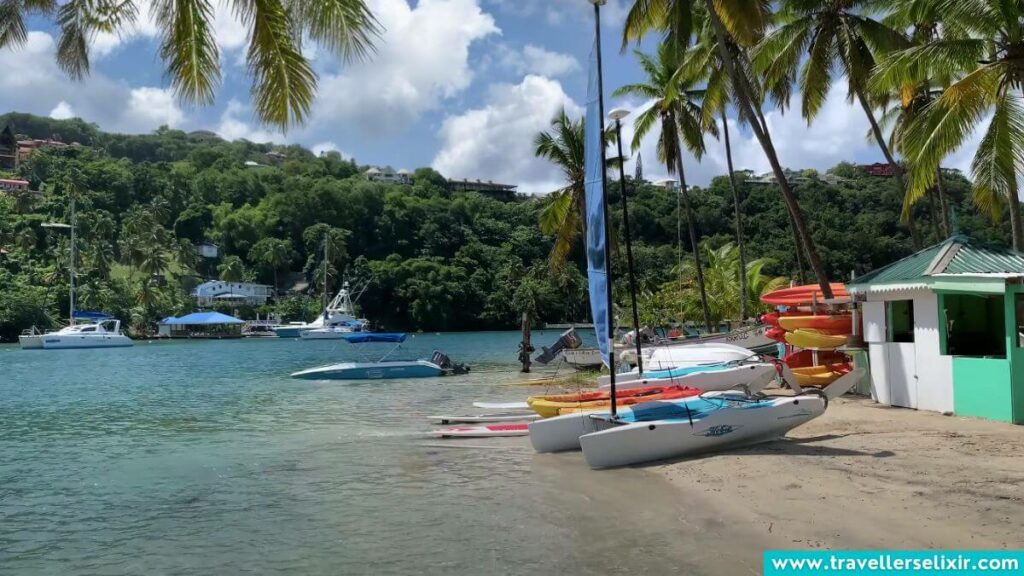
column 934, row 216
column 1016, row 228
column 743, row 97
column 943, row 202
column 908, row 211
column 698, row 267
column 739, row 220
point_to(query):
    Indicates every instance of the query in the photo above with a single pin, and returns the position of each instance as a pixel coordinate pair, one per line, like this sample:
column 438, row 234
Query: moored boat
column 438, row 365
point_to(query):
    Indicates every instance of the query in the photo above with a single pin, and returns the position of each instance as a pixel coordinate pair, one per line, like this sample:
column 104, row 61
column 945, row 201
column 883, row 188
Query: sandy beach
column 869, row 476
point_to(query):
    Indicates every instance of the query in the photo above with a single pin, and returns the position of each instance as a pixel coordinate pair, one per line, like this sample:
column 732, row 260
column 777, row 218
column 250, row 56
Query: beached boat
column 486, row 418
column 680, row 357
column 553, row 405
column 714, row 377
column 438, row 365
column 488, row 431
column 662, row 430
column 563, row 432
column 752, row 339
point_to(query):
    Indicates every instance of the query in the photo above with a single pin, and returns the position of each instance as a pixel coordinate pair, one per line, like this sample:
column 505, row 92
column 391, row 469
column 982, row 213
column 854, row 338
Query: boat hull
column 372, row 371
column 62, row 342
column 288, row 331
column 323, row 334
column 33, row 342
column 548, row 406
column 641, row 442
column 713, row 379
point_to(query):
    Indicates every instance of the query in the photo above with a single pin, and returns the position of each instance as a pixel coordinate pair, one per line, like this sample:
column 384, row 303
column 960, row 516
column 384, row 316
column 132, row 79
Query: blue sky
column 460, row 85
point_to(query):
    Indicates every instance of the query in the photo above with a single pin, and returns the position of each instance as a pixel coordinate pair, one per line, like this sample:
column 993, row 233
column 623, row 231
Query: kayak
column 489, row 431
column 805, row 358
column 822, row 375
column 772, row 318
column 809, row 338
column 484, row 418
column 776, row 333
column 802, row 295
column 838, row 324
column 553, row 405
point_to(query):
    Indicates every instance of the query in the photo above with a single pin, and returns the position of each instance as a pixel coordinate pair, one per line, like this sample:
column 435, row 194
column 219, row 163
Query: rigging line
column 679, row 247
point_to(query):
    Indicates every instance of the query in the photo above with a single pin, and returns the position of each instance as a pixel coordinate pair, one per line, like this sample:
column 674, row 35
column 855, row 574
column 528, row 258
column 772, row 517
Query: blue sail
column 594, row 172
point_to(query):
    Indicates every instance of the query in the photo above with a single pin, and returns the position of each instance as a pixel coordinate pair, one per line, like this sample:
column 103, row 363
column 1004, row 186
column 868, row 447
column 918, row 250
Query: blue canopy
column 86, row 315
column 204, row 318
column 365, row 337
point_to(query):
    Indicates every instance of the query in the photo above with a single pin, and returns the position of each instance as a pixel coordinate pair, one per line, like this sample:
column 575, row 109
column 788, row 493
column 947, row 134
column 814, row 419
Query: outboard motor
column 568, row 340
column 446, row 364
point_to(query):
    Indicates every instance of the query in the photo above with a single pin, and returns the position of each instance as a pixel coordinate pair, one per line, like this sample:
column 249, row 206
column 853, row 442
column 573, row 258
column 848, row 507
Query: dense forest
column 431, row 259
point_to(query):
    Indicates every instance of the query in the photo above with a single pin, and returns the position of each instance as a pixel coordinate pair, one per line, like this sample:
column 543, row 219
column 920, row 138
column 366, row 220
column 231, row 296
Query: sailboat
column 86, row 329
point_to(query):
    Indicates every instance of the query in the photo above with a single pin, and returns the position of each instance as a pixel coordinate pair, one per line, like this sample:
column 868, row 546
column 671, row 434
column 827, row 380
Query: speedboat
column 333, row 332
column 438, row 365
column 104, row 333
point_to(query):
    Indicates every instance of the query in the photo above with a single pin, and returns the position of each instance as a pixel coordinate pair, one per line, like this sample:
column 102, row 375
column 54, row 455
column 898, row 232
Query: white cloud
column 62, row 111
column 422, row 59
column 533, row 59
column 35, row 84
column 555, row 12
column 233, row 127
column 495, row 142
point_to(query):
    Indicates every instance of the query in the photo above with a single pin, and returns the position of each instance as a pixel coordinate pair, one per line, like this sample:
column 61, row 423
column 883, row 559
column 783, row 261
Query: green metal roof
column 957, row 255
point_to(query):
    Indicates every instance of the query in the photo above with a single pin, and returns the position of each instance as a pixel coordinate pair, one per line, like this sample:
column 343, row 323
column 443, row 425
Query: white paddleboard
column 484, row 418
column 502, row 405
column 490, row 431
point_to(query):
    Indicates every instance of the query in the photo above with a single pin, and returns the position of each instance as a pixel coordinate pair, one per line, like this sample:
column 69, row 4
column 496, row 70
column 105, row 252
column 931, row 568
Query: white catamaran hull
column 668, row 358
column 723, row 379
column 640, row 442
column 562, row 433
column 62, row 342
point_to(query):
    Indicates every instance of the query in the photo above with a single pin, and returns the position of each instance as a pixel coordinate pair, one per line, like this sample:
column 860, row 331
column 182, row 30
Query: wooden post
column 525, row 349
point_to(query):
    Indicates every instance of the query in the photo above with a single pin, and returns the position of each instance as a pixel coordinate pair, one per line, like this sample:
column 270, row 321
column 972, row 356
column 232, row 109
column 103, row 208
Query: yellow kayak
column 808, row 338
column 821, row 375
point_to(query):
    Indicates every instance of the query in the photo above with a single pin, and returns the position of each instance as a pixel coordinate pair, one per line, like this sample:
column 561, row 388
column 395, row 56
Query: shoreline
column 869, row 476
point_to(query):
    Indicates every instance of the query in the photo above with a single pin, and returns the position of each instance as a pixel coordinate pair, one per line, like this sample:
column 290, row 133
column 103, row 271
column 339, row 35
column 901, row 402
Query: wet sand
column 867, row 476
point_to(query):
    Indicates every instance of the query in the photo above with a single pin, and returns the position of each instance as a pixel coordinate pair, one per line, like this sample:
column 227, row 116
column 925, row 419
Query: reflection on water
column 204, row 457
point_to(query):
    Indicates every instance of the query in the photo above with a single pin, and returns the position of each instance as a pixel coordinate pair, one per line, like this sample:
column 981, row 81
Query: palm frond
column 346, row 27
column 189, row 48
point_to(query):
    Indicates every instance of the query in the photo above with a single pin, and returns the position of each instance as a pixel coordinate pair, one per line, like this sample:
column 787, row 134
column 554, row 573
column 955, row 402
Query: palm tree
column 26, row 239
column 102, row 258
column 988, row 84
column 833, row 35
column 283, row 82
column 742, row 23
column 675, row 110
column 563, row 214
column 231, row 269
column 154, row 260
column 272, row 252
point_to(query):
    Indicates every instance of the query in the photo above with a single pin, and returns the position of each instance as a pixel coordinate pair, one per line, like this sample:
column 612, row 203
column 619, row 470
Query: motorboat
column 337, row 318
column 437, row 365
column 102, row 333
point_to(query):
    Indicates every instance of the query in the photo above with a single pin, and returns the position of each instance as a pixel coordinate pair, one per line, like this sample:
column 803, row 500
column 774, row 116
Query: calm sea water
column 203, row 457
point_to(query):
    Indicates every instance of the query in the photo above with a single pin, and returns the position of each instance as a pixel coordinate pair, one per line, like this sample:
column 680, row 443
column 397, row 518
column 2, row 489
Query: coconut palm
column 988, row 74
column 833, row 36
column 26, row 239
column 563, row 214
column 283, row 82
column 231, row 269
column 675, row 110
column 272, row 252
column 732, row 21
column 155, row 260
column 101, row 258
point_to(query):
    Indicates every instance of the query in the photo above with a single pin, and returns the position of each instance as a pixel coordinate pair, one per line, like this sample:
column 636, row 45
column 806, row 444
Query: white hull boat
column 680, row 357
column 716, row 377
column 331, row 333
column 751, row 338
column 103, row 334
column 486, row 418
column 562, row 433
column 709, row 425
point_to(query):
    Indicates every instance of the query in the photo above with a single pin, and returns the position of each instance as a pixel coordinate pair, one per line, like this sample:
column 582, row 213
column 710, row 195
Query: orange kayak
column 838, row 324
column 553, row 405
column 805, row 358
column 802, row 295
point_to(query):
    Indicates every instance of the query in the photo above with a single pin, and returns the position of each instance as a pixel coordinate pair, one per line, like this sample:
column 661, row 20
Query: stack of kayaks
column 818, row 335
column 556, row 404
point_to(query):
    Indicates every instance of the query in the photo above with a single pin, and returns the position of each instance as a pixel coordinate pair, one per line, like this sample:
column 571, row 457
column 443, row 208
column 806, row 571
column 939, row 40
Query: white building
column 388, row 175
column 240, row 292
column 207, row 249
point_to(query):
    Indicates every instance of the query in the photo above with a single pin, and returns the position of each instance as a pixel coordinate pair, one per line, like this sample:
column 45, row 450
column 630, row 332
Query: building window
column 975, row 325
column 900, row 320
column 1018, row 301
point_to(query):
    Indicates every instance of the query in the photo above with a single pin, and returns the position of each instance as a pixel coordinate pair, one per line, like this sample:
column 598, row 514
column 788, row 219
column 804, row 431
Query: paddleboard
column 493, row 430
column 502, row 405
column 482, row 418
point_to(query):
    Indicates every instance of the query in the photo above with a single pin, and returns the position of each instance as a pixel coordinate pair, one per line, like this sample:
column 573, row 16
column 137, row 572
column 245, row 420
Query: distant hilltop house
column 388, row 175
column 490, row 188
column 884, row 170
column 238, row 292
column 9, row 185
column 207, row 249
column 13, row 152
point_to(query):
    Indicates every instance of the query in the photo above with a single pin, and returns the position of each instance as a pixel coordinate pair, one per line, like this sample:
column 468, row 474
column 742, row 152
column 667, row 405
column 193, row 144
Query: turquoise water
column 203, row 457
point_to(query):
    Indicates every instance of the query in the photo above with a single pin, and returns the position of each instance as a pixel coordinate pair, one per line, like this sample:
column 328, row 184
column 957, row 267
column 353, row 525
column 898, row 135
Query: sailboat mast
column 604, row 178
column 71, row 265
column 324, row 295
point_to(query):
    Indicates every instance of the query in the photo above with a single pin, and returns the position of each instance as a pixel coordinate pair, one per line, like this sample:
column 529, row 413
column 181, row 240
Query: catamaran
column 438, row 365
column 86, row 329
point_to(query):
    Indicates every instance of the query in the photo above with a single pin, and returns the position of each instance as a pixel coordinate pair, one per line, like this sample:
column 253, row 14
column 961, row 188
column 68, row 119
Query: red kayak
column 772, row 318
column 776, row 333
column 805, row 358
column 802, row 295
column 836, row 324
column 555, row 404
